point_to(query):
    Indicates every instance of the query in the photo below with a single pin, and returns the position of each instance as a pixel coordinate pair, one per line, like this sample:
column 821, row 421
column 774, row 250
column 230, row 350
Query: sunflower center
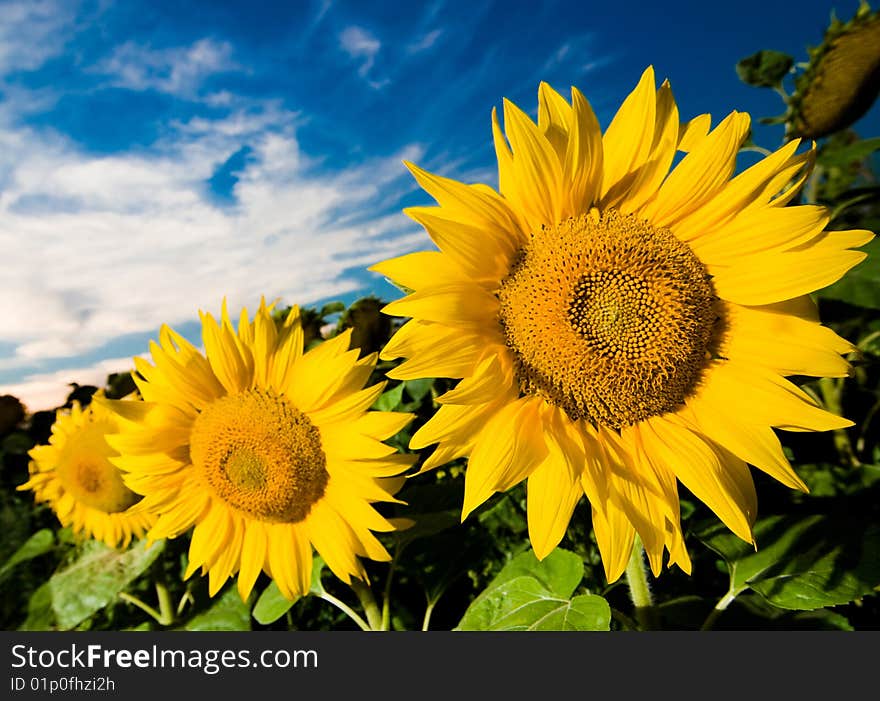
column 87, row 474
column 261, row 455
column 608, row 318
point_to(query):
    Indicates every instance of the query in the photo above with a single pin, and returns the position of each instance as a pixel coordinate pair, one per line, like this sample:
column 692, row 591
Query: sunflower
column 264, row 449
column 620, row 325
column 75, row 475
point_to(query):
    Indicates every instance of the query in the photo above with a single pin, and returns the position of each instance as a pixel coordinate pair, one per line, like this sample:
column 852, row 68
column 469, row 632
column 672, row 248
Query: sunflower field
column 635, row 386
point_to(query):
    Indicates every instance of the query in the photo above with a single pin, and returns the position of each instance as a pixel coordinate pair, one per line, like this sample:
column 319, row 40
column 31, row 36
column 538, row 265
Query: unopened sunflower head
column 74, row 473
column 842, row 79
column 619, row 325
column 264, row 450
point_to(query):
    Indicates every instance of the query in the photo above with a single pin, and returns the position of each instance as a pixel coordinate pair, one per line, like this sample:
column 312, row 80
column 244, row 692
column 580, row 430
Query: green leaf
column 522, row 603
column 764, row 68
column 861, row 285
column 802, row 563
column 40, row 615
column 95, row 579
column 318, row 565
column 38, row 544
column 390, row 400
column 427, row 525
column 417, row 389
column 842, row 155
column 559, row 573
column 228, row 612
column 271, row 605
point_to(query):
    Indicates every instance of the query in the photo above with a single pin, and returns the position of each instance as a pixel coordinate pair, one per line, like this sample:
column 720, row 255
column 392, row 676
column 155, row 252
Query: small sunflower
column 75, row 475
column 619, row 327
column 264, row 449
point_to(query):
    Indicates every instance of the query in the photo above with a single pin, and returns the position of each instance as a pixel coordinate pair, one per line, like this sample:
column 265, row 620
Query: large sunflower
column 619, row 325
column 265, row 449
column 73, row 473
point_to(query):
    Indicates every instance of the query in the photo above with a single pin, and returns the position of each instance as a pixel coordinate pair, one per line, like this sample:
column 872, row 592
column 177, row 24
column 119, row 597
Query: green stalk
column 345, row 608
column 639, row 590
column 368, row 602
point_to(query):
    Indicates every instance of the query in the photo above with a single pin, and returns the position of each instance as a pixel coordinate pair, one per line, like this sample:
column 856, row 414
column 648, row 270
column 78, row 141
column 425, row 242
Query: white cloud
column 176, row 70
column 358, row 43
column 99, row 247
column 43, row 391
column 30, row 32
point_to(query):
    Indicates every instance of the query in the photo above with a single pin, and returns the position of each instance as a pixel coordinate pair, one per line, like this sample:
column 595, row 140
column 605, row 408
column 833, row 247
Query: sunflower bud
column 842, row 79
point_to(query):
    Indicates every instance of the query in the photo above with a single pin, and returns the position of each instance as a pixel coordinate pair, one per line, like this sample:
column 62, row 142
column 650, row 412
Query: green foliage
column 764, row 68
column 803, row 563
column 537, row 595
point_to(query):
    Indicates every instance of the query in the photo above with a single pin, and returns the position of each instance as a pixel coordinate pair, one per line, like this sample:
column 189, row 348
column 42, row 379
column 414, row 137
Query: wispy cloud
column 425, row 42
column 177, row 71
column 30, row 32
column 361, row 45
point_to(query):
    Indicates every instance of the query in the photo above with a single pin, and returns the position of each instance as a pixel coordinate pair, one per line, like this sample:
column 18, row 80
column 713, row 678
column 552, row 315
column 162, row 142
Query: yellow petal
column 614, row 536
column 692, row 132
column 748, row 189
column 552, row 493
column 772, row 337
column 509, row 448
column 754, row 392
column 701, row 173
column 538, row 174
column 582, row 163
column 461, row 304
column 467, row 202
column 765, row 278
column 418, row 270
column 253, row 555
column 627, row 141
column 757, row 445
column 481, row 253
column 724, row 486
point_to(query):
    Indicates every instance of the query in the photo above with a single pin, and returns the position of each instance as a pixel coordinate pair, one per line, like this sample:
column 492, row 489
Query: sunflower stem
column 832, row 389
column 429, row 609
column 149, row 610
column 386, row 600
column 166, row 605
column 720, row 608
column 345, row 608
column 368, row 603
column 639, row 590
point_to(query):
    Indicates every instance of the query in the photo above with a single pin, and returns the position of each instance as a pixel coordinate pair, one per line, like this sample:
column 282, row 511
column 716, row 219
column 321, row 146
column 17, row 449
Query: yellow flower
column 74, row 474
column 265, row 449
column 618, row 326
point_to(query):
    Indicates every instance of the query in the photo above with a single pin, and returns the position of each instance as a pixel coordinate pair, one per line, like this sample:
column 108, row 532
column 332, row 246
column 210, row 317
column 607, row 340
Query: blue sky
column 156, row 156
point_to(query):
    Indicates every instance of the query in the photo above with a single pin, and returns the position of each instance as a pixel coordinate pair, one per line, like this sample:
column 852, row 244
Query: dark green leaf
column 417, row 389
column 764, row 68
column 227, row 612
column 803, row 563
column 38, row 544
column 428, row 524
column 271, row 605
column 96, row 578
